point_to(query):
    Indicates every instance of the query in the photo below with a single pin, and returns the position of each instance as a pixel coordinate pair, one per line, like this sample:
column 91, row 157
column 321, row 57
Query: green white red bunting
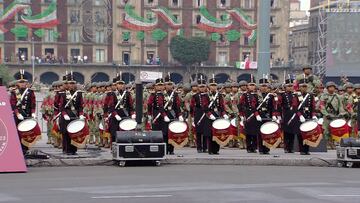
column 46, row 19
column 133, row 21
column 245, row 21
column 168, row 17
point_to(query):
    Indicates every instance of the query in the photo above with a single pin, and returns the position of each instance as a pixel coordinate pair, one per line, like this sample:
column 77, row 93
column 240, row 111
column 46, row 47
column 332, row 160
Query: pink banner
column 11, row 157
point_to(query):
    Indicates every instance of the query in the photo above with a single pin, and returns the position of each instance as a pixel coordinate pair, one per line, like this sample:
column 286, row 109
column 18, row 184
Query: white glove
column 149, row 118
column 181, row 119
column 133, row 116
column 118, row 118
column 258, row 118
column 82, row 117
column 66, row 117
column 302, row 119
column 226, row 117
column 274, row 118
column 166, row 119
column 33, row 115
column 193, row 124
column 315, row 118
column 20, row 117
column 279, row 118
column 212, row 117
column 242, row 118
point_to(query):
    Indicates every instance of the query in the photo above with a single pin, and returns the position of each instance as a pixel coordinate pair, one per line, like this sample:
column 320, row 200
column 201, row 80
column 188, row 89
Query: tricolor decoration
column 9, row 13
column 46, row 19
column 209, row 23
column 252, row 36
column 168, row 17
column 133, row 21
column 245, row 20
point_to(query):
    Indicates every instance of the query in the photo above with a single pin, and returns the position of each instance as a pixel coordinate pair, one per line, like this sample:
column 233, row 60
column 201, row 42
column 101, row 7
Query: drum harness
column 166, row 104
column 299, row 107
column 120, row 100
column 210, row 105
column 260, row 105
column 71, row 100
column 18, row 104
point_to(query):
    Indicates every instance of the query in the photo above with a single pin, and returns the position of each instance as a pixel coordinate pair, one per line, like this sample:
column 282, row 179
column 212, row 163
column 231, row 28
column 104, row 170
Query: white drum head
column 320, row 121
column 269, row 128
column 26, row 125
column 128, row 124
column 221, row 124
column 308, row 126
column 337, row 123
column 101, row 126
column 76, row 126
column 177, row 127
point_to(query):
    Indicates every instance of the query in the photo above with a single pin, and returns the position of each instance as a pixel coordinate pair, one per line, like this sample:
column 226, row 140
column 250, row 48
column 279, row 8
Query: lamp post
column 264, row 38
column 33, row 59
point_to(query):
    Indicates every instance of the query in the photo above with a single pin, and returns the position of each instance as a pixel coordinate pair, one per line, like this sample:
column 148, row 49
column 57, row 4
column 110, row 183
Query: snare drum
column 270, row 134
column 339, row 129
column 127, row 124
column 311, row 133
column 221, row 131
column 78, row 132
column 29, row 132
column 178, row 134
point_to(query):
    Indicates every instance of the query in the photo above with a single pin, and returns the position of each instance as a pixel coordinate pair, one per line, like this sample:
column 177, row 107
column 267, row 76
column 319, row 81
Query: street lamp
column 33, row 59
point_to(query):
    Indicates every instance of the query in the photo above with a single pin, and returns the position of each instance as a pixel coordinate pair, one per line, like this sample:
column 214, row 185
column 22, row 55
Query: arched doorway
column 79, row 77
column 274, row 77
column 49, row 77
column 27, row 75
column 176, row 78
column 221, row 78
column 100, row 77
column 245, row 76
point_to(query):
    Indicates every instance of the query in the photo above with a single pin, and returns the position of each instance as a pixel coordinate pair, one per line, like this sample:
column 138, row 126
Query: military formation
column 254, row 115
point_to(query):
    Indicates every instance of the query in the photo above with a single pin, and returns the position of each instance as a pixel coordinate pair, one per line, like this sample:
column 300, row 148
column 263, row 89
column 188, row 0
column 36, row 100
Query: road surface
column 181, row 184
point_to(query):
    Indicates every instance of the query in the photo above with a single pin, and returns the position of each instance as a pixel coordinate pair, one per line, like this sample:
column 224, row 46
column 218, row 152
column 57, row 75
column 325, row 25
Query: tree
column 5, row 74
column 190, row 51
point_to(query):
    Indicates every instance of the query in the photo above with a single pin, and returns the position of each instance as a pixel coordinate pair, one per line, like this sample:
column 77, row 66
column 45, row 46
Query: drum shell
column 311, row 133
column 220, row 131
column 339, row 131
column 30, row 136
column 274, row 135
column 234, row 129
column 173, row 135
column 79, row 136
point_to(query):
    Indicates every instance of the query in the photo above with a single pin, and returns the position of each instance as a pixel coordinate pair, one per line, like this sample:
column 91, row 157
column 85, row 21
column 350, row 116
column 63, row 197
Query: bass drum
column 311, row 133
column 78, row 132
column 221, row 132
column 270, row 134
column 178, row 134
column 29, row 132
column 128, row 125
column 339, row 129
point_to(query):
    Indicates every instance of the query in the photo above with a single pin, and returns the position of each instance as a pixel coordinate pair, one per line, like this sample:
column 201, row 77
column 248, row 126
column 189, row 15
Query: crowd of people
column 255, row 115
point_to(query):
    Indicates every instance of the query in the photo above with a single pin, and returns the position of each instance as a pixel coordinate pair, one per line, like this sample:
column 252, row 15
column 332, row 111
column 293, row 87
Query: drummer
column 288, row 108
column 306, row 112
column 198, row 108
column 120, row 106
column 172, row 110
column 23, row 102
column 71, row 108
column 331, row 108
column 268, row 110
column 216, row 111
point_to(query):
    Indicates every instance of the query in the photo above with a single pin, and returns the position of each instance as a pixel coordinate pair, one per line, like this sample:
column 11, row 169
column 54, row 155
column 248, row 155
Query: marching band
column 207, row 115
